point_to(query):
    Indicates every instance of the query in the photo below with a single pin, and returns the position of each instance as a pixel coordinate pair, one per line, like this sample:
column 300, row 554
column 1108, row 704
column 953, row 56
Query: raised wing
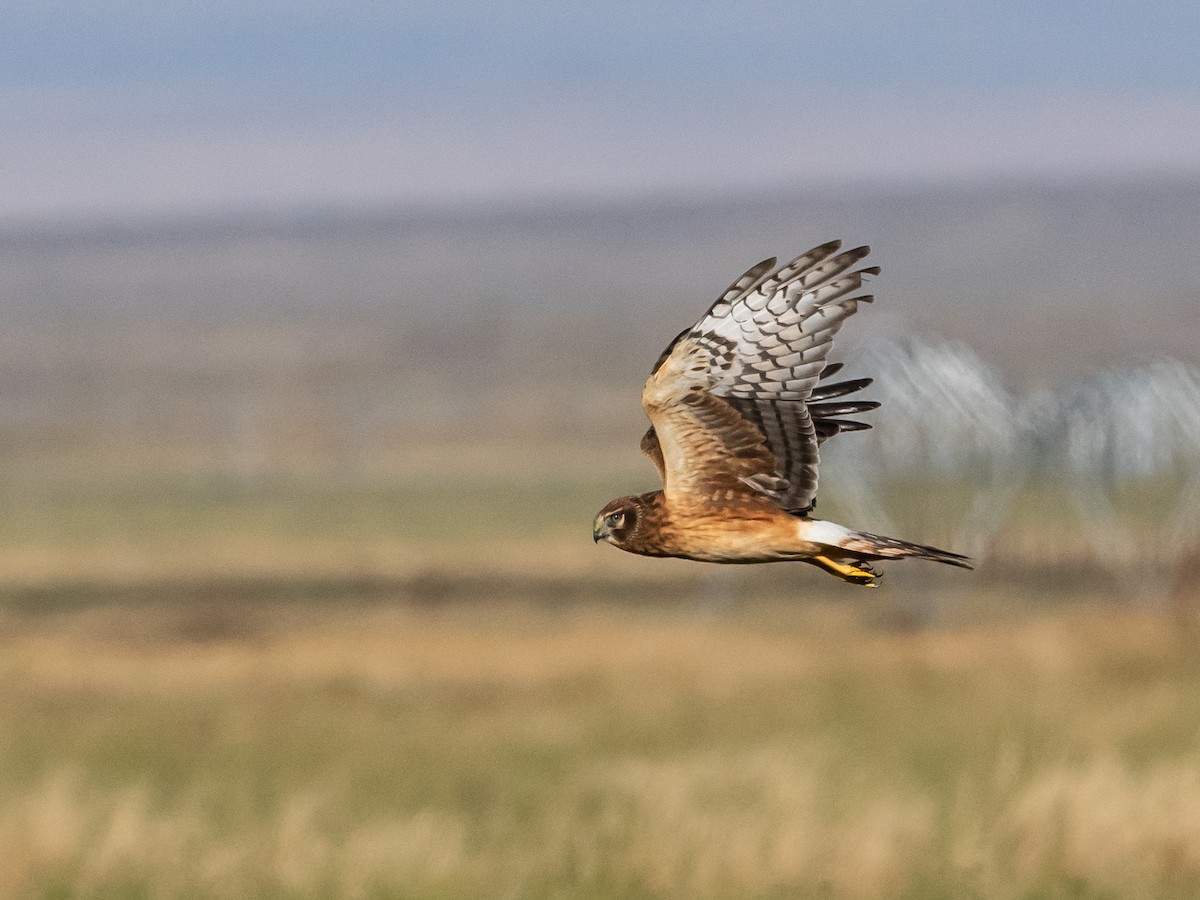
column 734, row 402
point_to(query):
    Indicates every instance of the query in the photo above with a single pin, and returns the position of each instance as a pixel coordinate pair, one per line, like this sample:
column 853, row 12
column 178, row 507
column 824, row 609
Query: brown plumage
column 738, row 410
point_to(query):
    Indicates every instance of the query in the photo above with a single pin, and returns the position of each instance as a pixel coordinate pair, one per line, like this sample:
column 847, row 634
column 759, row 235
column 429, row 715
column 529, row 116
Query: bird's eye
column 616, row 521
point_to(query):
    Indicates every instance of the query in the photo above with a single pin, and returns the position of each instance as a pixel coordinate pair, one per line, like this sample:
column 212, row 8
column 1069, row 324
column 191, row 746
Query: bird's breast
column 733, row 536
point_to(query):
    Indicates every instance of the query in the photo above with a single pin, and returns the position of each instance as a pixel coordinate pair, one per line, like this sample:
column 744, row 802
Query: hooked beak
column 598, row 532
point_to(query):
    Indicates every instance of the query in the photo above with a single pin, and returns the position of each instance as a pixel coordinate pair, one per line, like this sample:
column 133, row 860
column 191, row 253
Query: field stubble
column 307, row 685
column 512, row 750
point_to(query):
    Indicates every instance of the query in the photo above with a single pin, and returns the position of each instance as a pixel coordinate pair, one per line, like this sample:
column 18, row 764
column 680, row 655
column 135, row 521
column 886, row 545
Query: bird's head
column 617, row 522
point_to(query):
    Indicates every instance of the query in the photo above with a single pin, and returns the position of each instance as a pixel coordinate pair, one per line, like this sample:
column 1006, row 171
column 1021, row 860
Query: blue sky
column 131, row 108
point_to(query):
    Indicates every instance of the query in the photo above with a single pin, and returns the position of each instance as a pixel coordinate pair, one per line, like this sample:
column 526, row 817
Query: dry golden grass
column 314, row 751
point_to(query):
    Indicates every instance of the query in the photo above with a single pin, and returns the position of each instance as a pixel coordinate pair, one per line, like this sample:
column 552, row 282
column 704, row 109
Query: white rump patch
column 821, row 532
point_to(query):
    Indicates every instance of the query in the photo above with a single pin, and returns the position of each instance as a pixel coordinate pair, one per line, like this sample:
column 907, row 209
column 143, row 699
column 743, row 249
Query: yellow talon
column 847, row 572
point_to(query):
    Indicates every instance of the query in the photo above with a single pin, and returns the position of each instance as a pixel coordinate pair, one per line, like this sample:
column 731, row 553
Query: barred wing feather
column 732, row 400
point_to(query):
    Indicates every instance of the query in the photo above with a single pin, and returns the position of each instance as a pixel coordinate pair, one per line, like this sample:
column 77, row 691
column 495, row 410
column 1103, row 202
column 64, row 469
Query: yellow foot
column 862, row 574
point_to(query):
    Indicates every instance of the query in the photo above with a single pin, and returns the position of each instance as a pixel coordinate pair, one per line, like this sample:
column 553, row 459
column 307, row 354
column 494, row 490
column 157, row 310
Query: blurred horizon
column 1047, row 280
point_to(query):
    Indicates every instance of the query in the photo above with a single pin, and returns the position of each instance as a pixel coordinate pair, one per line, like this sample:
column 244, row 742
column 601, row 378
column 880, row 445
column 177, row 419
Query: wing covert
column 729, row 399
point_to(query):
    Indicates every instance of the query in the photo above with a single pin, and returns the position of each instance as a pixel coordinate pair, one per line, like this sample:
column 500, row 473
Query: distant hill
column 543, row 315
column 1014, row 243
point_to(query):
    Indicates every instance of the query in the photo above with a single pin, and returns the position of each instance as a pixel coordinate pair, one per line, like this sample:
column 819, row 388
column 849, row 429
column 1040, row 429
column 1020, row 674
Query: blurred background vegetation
column 298, row 598
column 410, row 399
column 322, row 333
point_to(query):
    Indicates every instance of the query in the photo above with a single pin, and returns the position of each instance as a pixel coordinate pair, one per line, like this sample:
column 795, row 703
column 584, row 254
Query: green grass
column 144, row 527
column 780, row 751
column 367, row 686
column 179, row 508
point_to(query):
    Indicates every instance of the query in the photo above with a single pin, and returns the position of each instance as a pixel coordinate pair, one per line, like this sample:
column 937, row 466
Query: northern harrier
column 738, row 407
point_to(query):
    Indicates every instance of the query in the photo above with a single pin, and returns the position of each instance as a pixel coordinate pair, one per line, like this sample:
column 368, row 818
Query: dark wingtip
column 834, row 408
column 839, row 389
column 825, row 249
column 766, row 265
column 830, row 369
column 848, row 425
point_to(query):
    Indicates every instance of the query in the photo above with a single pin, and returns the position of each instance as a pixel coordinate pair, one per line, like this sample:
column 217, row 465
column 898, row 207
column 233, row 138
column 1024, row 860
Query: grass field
column 144, row 525
column 351, row 749
column 430, row 684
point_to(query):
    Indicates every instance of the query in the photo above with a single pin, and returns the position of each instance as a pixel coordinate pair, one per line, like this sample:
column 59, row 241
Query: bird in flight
column 739, row 405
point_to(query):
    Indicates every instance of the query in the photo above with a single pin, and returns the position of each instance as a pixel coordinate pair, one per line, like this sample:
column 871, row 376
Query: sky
column 162, row 107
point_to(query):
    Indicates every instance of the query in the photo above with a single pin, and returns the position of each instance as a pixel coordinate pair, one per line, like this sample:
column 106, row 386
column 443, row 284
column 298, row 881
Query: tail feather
column 864, row 545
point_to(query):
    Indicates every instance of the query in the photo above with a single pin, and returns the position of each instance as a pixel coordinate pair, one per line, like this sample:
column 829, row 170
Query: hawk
column 739, row 405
